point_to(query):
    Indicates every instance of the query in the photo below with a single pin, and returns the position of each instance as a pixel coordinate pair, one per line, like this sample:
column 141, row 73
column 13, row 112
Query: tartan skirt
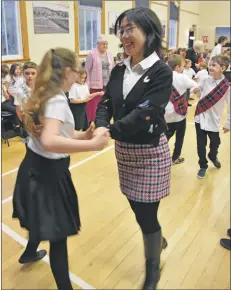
column 144, row 170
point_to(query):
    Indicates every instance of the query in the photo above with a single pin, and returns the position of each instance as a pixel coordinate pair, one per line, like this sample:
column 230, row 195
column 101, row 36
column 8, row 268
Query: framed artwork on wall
column 223, row 31
column 112, row 16
column 51, row 17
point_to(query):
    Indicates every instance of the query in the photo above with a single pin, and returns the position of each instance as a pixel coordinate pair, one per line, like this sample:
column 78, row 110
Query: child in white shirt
column 79, row 95
column 17, row 79
column 24, row 93
column 188, row 70
column 203, row 72
column 176, row 109
column 215, row 92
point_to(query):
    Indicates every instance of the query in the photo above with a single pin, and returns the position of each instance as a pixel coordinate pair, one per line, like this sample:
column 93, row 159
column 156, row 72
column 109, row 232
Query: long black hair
column 147, row 20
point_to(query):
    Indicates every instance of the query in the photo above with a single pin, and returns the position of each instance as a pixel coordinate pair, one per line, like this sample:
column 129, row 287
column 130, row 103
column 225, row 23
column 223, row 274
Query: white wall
column 207, row 15
column 162, row 13
column 192, row 6
column 187, row 20
column 213, row 14
column 39, row 44
column 117, row 7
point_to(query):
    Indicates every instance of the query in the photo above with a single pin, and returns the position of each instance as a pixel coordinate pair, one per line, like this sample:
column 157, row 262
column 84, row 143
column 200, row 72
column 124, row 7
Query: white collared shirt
column 22, row 95
column 15, row 85
column 210, row 119
column 132, row 75
column 56, row 108
column 201, row 75
column 79, row 91
column 181, row 83
column 216, row 51
column 189, row 72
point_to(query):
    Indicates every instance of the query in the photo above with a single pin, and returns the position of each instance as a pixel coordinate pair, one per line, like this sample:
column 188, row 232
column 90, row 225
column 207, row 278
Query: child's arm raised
column 77, row 101
column 92, row 96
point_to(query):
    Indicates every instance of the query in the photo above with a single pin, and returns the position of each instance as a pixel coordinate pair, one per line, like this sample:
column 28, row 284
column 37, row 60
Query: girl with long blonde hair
column 45, row 200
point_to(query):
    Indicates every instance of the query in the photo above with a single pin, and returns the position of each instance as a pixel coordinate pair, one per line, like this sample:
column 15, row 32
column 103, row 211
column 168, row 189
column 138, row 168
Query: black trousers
column 9, row 107
column 178, row 128
column 202, row 143
column 146, row 216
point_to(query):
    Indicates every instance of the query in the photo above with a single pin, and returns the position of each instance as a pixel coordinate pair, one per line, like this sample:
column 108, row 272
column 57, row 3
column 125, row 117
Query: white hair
column 198, row 43
column 101, row 38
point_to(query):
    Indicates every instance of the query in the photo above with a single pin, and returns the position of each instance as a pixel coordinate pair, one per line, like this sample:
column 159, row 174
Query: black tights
column 58, row 262
column 146, row 216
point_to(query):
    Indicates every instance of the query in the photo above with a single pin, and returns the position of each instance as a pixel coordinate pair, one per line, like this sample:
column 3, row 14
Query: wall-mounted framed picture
column 51, row 17
column 112, row 16
column 223, row 31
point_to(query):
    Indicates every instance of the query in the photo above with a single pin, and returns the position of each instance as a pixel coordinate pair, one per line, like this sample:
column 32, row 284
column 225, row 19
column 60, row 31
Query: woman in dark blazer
column 136, row 96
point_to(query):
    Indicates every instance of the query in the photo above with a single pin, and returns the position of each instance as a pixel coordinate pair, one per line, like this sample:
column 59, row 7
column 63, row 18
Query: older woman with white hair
column 193, row 53
column 99, row 64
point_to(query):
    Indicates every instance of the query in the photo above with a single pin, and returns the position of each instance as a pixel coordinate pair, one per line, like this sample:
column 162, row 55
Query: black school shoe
column 31, row 259
column 216, row 162
column 226, row 243
column 201, row 173
column 229, row 233
column 179, row 160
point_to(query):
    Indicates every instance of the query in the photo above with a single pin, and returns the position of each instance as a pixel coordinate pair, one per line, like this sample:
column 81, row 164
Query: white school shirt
column 216, row 51
column 3, row 89
column 15, row 85
column 56, row 108
column 189, row 72
column 79, row 91
column 210, row 119
column 201, row 75
column 181, row 82
column 6, row 79
column 132, row 75
column 22, row 95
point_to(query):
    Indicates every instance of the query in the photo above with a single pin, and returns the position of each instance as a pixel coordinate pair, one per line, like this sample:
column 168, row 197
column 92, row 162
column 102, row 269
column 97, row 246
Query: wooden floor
column 108, row 253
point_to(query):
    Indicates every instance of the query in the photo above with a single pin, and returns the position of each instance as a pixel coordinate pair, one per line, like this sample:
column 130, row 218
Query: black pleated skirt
column 80, row 116
column 44, row 199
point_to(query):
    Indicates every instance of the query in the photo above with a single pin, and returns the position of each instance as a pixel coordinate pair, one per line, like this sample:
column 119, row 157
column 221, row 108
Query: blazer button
column 123, row 105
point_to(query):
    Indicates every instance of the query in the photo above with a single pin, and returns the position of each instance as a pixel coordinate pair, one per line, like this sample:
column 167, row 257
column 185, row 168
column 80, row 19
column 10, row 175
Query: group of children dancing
column 213, row 91
column 209, row 84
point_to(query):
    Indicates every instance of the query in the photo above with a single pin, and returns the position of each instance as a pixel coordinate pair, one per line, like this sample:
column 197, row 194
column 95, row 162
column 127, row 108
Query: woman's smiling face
column 132, row 38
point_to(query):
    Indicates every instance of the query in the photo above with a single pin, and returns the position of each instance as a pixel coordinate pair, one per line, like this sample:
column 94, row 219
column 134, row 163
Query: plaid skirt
column 144, row 170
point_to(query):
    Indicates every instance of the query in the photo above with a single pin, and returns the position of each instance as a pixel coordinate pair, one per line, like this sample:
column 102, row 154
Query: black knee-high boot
column 153, row 245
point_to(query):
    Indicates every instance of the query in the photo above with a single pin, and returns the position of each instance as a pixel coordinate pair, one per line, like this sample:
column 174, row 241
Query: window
column 11, row 31
column 174, row 11
column 172, row 36
column 89, row 27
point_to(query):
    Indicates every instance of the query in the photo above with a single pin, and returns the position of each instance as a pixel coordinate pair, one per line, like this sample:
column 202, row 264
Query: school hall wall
column 116, row 7
column 39, row 44
column 213, row 14
column 206, row 15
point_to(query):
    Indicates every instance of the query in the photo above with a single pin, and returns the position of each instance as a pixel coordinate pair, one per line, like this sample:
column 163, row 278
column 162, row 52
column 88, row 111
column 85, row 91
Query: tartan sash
column 212, row 98
column 178, row 101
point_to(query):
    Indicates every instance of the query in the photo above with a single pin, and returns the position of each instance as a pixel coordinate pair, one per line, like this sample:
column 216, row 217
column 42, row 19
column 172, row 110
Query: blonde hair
column 203, row 65
column 174, row 60
column 48, row 84
column 188, row 61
